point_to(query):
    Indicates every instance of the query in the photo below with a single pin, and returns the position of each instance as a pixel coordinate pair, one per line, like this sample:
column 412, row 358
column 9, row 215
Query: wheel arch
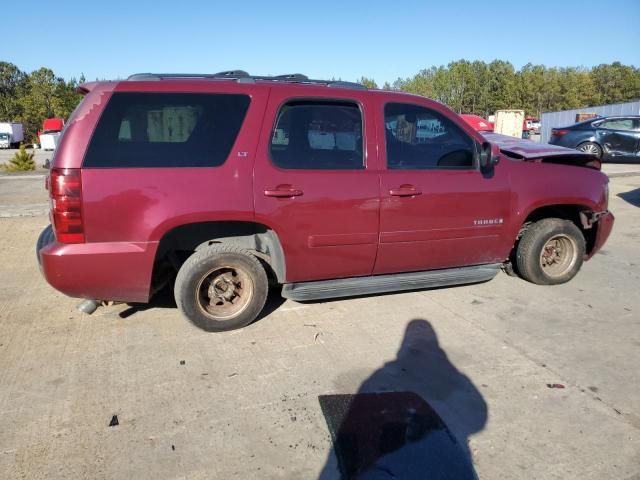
column 180, row 241
column 565, row 211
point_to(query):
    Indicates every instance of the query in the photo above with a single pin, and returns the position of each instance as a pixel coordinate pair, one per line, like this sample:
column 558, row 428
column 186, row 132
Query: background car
column 478, row 123
column 610, row 138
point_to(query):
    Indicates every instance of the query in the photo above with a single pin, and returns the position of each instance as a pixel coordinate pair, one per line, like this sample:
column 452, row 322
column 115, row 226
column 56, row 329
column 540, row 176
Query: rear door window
column 618, row 124
column 318, row 135
column 166, row 130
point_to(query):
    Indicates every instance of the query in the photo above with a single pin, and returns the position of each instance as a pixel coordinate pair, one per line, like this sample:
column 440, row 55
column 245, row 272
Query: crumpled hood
column 529, row 150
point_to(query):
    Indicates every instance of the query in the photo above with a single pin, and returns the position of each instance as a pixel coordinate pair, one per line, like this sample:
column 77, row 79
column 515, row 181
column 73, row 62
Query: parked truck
column 11, row 134
column 50, row 134
column 326, row 187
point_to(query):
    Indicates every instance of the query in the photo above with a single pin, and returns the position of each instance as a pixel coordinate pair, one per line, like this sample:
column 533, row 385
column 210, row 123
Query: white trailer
column 49, row 141
column 11, row 134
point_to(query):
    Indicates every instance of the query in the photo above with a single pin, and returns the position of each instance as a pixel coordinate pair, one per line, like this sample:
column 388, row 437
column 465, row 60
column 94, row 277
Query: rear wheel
column 550, row 252
column 45, row 238
column 591, row 148
column 221, row 288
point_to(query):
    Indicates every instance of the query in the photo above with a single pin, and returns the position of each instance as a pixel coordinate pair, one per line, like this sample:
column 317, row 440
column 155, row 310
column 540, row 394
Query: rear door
column 619, row 136
column 636, row 128
column 316, row 182
column 438, row 210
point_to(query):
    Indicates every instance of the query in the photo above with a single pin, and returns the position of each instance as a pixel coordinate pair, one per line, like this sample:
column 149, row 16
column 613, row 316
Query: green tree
column 616, row 82
column 368, row 82
column 12, row 86
column 46, row 96
column 21, row 161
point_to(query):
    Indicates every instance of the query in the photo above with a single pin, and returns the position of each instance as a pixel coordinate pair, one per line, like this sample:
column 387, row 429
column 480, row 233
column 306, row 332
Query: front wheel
column 221, row 288
column 550, row 252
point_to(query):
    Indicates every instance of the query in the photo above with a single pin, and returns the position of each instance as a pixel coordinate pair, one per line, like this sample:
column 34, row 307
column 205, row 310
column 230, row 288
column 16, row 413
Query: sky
column 343, row 39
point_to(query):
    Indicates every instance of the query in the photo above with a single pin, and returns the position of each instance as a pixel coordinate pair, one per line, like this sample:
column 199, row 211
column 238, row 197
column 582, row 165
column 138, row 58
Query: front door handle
column 282, row 191
column 405, row 191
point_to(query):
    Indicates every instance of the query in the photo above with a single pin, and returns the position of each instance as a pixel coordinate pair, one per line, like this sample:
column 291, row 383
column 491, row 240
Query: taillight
column 558, row 133
column 65, row 189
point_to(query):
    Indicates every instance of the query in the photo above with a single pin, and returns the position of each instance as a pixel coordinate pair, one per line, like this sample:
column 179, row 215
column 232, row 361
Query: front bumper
column 603, row 226
column 119, row 271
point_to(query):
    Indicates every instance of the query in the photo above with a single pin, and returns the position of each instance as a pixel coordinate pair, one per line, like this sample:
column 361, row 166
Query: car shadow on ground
column 164, row 299
column 632, row 197
column 411, row 419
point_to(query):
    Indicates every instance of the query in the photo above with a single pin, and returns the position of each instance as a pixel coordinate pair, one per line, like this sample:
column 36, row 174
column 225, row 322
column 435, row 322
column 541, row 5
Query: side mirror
column 489, row 156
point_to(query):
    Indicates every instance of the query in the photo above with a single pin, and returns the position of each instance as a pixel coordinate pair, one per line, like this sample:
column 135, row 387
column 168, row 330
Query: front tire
column 591, row 148
column 221, row 288
column 550, row 252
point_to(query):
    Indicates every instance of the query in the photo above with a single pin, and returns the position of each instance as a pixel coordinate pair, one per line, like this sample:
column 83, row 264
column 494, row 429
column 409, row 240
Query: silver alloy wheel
column 224, row 292
column 590, row 148
column 559, row 255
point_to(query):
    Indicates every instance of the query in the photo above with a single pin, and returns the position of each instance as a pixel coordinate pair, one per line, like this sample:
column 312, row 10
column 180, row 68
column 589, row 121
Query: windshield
column 4, row 136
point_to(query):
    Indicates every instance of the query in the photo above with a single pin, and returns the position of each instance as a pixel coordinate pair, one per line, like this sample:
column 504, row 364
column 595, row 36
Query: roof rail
column 341, row 84
column 232, row 74
column 294, row 77
column 243, row 77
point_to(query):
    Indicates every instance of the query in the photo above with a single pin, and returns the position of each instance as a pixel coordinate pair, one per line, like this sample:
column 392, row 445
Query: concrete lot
column 245, row 404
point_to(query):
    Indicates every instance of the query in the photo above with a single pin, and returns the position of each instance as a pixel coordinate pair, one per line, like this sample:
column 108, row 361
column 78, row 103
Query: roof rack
column 243, row 77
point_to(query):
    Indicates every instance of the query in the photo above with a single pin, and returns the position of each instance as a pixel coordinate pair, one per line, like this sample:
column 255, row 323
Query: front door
column 316, row 184
column 620, row 137
column 438, row 210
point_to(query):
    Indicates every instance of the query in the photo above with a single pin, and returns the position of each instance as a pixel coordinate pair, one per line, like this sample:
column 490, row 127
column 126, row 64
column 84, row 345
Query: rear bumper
column 119, row 271
column 604, row 226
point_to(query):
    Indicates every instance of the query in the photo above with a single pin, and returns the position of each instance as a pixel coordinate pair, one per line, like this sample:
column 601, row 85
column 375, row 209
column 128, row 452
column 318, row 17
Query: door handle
column 283, row 192
column 405, row 191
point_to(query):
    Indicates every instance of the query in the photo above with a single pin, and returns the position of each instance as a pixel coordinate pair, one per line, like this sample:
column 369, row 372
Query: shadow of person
column 411, row 419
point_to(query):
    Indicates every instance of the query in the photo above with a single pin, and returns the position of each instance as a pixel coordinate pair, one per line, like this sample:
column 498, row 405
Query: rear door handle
column 405, row 191
column 283, row 192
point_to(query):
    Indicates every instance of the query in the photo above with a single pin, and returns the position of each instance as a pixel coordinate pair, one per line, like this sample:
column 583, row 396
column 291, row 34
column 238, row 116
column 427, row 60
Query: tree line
column 29, row 98
column 482, row 88
column 467, row 87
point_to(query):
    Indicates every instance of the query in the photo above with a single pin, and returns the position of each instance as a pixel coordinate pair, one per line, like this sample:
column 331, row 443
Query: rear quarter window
column 166, row 130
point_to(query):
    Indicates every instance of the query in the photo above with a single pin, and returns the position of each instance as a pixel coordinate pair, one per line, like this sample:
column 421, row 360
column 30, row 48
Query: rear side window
column 166, row 130
column 318, row 135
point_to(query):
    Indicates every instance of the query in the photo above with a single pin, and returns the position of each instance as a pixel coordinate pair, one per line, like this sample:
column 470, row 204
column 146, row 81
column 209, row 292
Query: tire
column 590, row 147
column 234, row 277
column 550, row 252
column 509, row 269
column 45, row 238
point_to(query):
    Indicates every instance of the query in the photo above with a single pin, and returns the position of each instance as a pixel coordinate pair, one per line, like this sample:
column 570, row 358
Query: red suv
column 224, row 184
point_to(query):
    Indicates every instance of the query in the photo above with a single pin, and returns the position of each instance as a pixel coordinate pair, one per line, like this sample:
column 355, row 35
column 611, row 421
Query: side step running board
column 349, row 287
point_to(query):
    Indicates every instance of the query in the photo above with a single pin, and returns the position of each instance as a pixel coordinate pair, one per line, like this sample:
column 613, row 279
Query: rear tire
column 592, row 148
column 45, row 238
column 550, row 252
column 221, row 288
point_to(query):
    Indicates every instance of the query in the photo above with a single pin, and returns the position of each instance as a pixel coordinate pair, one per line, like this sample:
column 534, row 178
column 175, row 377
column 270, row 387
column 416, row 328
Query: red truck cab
column 221, row 185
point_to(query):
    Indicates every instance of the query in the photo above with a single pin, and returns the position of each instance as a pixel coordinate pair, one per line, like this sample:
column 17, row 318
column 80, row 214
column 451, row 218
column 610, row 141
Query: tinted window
column 166, row 130
column 318, row 135
column 420, row 138
column 618, row 124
